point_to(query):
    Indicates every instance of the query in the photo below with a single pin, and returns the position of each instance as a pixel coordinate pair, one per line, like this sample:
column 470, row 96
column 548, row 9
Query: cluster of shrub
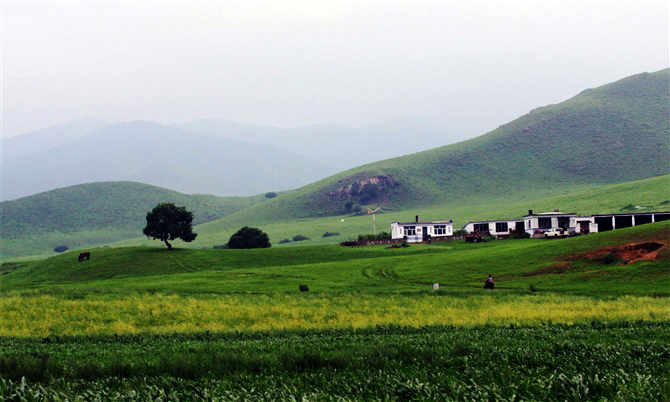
column 294, row 238
column 378, row 236
column 366, row 237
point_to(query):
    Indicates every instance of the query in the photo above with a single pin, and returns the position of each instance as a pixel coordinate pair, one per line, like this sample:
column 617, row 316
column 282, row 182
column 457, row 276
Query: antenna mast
column 374, row 221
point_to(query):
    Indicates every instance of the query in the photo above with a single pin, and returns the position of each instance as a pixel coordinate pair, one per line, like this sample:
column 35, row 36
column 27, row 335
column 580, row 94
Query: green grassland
column 201, row 324
column 96, row 214
column 651, row 194
column 74, row 211
column 458, row 265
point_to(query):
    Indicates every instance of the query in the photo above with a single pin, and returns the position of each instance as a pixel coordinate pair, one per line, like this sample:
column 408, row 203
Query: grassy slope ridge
column 652, row 194
column 107, row 211
column 557, row 265
column 611, row 134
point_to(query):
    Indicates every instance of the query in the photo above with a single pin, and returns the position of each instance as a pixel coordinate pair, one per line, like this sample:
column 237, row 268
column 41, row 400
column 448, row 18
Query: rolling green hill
column 651, row 194
column 97, row 213
column 610, row 134
column 557, row 265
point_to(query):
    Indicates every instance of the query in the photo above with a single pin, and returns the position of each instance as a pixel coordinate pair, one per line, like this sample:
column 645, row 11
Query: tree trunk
column 169, row 246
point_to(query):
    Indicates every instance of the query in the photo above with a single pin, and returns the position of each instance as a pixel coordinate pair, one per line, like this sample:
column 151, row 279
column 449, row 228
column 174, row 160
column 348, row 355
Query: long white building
column 417, row 232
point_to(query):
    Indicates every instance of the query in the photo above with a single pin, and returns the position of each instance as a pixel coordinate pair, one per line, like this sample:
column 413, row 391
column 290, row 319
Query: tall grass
column 52, row 315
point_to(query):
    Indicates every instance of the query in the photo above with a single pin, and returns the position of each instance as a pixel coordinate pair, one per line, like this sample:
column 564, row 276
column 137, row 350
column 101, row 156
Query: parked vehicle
column 555, row 232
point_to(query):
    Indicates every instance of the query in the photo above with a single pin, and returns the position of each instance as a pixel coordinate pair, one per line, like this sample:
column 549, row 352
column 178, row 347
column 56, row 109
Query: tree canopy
column 249, row 238
column 168, row 222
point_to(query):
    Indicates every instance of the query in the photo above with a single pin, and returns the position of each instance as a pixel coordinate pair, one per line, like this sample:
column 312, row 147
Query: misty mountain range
column 205, row 156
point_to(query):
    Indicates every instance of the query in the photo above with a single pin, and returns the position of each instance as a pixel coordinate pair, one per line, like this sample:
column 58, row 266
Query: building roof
column 551, row 214
column 423, row 223
column 632, row 214
column 499, row 220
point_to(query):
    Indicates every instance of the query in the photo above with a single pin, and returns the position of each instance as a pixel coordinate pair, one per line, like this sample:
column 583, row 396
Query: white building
column 416, row 232
column 568, row 221
column 495, row 228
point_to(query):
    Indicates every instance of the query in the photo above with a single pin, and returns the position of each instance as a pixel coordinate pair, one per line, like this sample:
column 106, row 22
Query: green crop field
column 618, row 361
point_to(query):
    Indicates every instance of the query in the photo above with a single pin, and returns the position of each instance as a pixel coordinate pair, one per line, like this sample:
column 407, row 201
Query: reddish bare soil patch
column 630, row 252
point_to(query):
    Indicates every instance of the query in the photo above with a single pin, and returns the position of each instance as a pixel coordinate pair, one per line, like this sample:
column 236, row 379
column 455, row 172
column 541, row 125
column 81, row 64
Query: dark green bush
column 329, row 234
column 300, row 238
column 378, row 236
column 284, row 241
column 249, row 238
column 60, row 249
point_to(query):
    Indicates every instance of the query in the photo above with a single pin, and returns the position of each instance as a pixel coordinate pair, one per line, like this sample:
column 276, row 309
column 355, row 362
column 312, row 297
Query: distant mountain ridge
column 340, row 146
column 40, row 140
column 614, row 133
column 163, row 156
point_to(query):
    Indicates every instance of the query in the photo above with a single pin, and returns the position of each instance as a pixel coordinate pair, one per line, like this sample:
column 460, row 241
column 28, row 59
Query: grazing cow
column 86, row 255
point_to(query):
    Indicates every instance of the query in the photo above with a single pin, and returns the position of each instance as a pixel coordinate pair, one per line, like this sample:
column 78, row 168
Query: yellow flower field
column 53, row 315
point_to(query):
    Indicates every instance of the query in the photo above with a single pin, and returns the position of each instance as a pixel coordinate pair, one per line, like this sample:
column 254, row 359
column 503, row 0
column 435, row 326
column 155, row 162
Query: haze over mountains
column 163, row 156
column 339, row 146
column 206, row 156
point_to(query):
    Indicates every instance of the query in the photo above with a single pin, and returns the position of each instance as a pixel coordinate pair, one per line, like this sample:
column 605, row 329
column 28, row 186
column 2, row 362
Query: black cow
column 86, row 255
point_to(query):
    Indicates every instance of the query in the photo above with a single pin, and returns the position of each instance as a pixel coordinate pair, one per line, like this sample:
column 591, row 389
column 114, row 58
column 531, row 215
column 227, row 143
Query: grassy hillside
column 97, row 213
column 107, row 213
column 652, row 194
column 611, row 134
column 567, row 265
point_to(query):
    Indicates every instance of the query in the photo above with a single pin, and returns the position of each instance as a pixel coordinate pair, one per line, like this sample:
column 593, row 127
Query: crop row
column 557, row 362
column 45, row 315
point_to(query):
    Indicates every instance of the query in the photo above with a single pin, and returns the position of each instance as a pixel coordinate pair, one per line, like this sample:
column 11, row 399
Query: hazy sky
column 467, row 65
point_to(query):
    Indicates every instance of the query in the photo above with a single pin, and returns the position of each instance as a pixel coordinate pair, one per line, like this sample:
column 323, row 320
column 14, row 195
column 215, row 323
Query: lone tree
column 249, row 238
column 168, row 222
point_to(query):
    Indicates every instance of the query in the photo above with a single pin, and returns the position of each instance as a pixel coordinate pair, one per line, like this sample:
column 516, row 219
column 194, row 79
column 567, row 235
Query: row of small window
column 437, row 230
column 484, row 227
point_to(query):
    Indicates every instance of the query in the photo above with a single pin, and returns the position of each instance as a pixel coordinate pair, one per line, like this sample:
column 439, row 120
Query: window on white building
column 501, row 227
column 410, row 230
column 544, row 223
column 440, row 230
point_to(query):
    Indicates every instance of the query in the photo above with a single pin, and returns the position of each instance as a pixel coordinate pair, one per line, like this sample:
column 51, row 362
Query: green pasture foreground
column 563, row 265
column 616, row 362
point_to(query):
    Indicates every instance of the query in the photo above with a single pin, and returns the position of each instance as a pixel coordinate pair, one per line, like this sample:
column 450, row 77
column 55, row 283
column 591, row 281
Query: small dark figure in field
column 86, row 255
column 489, row 284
